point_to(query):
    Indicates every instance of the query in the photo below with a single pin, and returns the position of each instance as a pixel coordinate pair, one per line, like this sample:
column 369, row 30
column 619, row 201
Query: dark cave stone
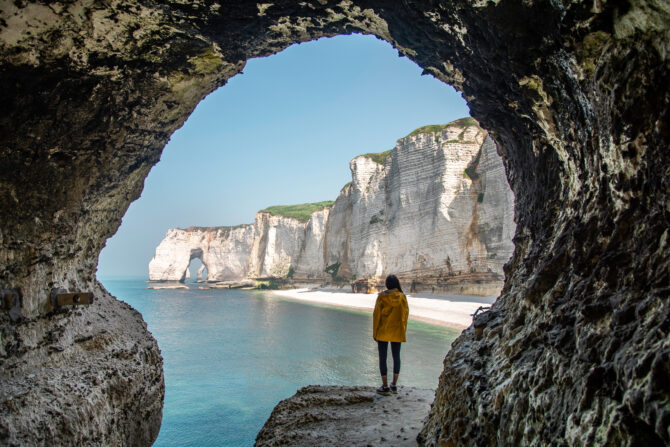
column 574, row 93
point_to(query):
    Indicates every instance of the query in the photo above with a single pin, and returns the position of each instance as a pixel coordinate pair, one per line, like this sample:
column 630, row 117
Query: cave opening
column 282, row 131
column 207, row 156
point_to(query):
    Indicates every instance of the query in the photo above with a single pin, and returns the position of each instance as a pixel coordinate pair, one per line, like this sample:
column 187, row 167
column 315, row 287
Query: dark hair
column 392, row 282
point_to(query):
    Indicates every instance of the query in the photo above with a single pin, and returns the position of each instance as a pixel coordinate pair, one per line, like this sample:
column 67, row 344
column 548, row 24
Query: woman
column 389, row 324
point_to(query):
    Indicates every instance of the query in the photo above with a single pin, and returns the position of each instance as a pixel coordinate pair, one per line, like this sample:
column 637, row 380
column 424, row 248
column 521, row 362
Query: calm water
column 230, row 356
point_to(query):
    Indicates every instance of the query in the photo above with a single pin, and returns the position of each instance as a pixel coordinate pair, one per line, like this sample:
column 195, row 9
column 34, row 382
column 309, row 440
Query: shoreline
column 452, row 311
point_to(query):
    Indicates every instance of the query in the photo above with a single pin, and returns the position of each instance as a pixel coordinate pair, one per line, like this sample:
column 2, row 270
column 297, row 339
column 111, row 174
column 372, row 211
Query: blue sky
column 282, row 132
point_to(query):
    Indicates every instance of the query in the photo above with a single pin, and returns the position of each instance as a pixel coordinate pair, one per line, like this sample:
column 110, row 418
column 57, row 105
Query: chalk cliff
column 224, row 251
column 439, row 205
column 434, row 209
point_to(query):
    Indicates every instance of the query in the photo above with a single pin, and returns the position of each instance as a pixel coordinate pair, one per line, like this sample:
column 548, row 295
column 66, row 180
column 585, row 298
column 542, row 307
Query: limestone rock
column 81, row 377
column 310, row 263
column 422, row 214
column 277, row 246
column 346, row 415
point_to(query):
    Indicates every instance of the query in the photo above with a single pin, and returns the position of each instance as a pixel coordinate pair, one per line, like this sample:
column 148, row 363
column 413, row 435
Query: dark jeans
column 383, row 352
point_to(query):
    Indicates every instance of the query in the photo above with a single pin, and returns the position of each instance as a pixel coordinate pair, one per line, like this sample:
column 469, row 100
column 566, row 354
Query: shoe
column 394, row 389
column 384, row 390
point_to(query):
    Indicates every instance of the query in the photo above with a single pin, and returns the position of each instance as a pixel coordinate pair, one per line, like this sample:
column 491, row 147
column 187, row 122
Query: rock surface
column 574, row 93
column 436, row 211
column 352, row 415
column 89, row 376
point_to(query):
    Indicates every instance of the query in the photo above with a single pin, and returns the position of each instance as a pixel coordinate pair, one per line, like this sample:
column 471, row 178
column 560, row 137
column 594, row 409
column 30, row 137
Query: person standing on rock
column 389, row 324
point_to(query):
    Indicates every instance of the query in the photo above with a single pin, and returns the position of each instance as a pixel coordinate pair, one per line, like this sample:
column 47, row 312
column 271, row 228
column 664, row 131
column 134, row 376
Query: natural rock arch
column 195, row 254
column 575, row 94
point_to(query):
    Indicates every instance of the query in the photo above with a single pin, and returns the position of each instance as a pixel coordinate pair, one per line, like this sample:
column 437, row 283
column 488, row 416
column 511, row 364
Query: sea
column 230, row 356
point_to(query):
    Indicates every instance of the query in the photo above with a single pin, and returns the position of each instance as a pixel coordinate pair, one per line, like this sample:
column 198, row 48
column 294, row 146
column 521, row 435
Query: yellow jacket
column 389, row 320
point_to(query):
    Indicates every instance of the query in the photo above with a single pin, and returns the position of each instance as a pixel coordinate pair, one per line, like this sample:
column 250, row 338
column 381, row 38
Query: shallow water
column 230, row 356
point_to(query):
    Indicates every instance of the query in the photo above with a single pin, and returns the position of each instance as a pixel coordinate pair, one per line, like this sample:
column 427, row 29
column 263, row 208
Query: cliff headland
column 436, row 210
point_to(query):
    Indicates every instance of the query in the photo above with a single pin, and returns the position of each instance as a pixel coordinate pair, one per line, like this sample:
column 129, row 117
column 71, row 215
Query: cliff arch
column 574, row 93
column 195, row 254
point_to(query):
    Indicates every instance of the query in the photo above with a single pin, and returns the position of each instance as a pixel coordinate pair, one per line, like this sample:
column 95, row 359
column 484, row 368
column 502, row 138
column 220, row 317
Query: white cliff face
column 224, row 252
column 494, row 226
column 437, row 206
column 433, row 204
column 277, row 245
column 310, row 262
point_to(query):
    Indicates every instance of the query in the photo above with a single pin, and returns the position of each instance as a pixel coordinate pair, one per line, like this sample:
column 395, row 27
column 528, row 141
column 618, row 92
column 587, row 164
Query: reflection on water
column 230, row 356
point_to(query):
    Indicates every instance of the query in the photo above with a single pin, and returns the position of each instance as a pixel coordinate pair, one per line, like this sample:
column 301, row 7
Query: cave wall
column 575, row 94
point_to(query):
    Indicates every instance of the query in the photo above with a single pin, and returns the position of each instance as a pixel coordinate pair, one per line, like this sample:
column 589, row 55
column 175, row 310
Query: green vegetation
column 379, row 157
column 332, row 269
column 590, row 49
column 207, row 62
column 464, row 122
column 301, row 212
column 470, row 172
column 433, row 128
column 267, row 285
column 492, row 256
column 534, row 88
column 291, row 272
column 375, row 219
column 480, row 197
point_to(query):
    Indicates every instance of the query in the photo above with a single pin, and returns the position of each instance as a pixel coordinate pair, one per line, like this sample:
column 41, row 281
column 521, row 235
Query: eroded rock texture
column 575, row 94
column 327, row 415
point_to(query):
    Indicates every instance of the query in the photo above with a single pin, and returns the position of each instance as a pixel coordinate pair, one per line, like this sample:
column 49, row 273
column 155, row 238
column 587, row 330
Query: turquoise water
column 230, row 356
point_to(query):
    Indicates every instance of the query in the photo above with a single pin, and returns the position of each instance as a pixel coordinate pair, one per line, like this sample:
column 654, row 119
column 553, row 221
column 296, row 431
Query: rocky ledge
column 347, row 415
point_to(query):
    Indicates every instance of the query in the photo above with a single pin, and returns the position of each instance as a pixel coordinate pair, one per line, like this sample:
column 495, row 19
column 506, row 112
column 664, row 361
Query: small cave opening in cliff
column 196, row 271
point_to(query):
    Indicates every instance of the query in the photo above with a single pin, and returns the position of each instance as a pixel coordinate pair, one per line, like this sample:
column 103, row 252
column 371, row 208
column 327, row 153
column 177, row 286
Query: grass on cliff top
column 301, row 212
column 379, row 157
column 434, row 128
column 233, row 227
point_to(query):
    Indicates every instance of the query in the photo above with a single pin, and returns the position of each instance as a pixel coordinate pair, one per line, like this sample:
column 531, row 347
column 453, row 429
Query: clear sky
column 282, row 132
